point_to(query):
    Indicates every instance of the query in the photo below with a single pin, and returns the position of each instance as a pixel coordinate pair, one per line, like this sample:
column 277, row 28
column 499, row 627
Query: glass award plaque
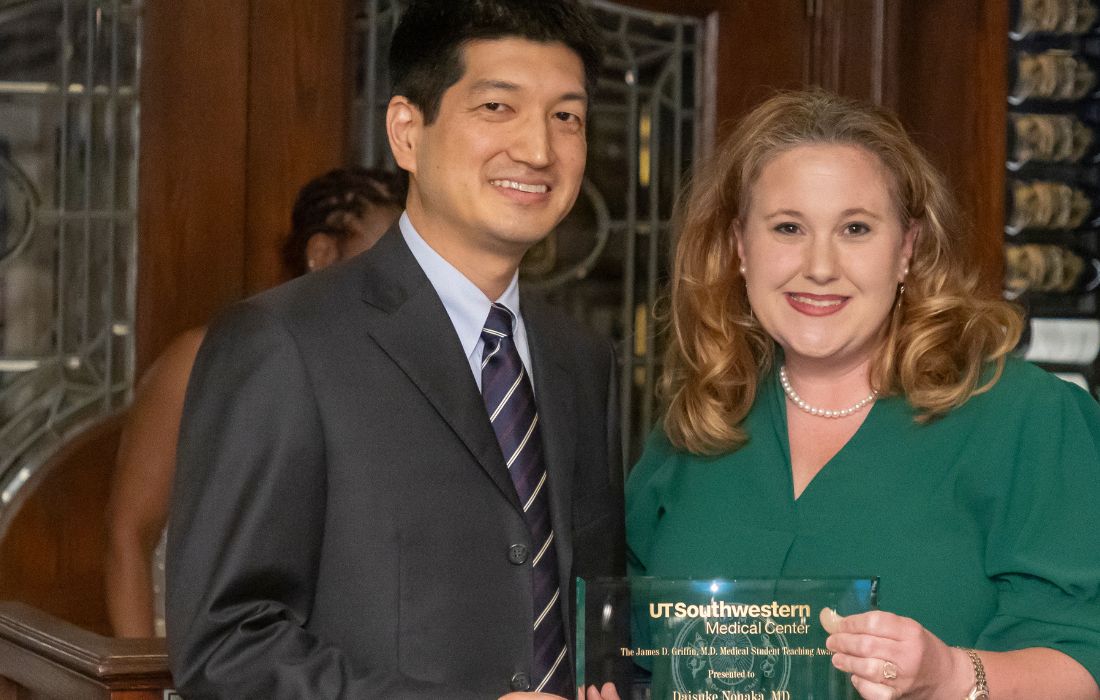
column 714, row 639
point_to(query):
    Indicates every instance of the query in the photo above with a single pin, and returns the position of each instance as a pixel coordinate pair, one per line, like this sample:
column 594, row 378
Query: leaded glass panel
column 68, row 179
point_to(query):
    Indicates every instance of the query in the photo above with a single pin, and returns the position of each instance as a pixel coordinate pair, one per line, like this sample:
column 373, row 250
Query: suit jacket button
column 517, row 554
column 521, row 681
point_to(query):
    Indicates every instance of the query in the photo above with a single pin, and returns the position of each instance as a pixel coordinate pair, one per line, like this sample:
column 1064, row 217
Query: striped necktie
column 510, row 401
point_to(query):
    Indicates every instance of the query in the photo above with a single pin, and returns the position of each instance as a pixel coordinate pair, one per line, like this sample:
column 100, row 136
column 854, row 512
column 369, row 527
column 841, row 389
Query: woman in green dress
column 841, row 403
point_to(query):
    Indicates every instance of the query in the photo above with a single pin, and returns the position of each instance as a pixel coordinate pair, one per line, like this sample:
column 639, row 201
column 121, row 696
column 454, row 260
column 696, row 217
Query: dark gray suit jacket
column 342, row 516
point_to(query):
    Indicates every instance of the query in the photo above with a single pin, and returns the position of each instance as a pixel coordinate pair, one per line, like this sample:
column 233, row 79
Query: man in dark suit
column 373, row 498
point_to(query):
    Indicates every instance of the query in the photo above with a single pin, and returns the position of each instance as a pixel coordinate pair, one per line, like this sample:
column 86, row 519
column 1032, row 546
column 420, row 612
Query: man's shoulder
column 311, row 296
column 550, row 324
column 384, row 274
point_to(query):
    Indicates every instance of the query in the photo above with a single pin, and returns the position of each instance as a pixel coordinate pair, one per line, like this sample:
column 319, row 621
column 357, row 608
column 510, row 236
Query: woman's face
column 824, row 250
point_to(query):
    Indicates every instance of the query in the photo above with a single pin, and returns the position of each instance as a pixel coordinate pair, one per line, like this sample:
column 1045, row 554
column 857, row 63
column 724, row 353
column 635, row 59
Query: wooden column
column 241, row 103
column 952, row 64
column 854, row 46
column 192, row 177
column 299, row 113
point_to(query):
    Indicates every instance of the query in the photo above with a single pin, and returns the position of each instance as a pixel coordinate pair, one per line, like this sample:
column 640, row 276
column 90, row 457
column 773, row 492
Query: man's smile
column 521, row 186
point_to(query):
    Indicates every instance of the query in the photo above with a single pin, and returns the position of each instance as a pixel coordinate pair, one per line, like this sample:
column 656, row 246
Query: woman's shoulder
column 1033, row 404
column 1020, row 402
column 1023, row 384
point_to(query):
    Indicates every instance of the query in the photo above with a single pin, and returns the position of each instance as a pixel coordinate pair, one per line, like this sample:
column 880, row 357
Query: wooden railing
column 45, row 658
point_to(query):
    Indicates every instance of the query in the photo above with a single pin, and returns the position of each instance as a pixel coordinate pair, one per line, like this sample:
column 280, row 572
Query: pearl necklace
column 813, row 410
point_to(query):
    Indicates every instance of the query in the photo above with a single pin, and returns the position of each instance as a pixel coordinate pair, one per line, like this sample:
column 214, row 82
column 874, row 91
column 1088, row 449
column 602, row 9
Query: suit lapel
column 413, row 328
column 558, row 416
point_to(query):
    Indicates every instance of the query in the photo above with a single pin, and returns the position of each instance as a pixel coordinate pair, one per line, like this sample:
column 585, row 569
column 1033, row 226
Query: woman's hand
column 890, row 656
column 607, row 692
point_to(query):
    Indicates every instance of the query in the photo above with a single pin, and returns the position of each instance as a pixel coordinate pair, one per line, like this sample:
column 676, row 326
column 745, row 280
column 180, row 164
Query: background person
column 841, row 403
column 335, row 216
column 416, row 457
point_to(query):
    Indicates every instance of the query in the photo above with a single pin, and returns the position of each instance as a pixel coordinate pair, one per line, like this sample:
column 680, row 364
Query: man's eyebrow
column 489, row 85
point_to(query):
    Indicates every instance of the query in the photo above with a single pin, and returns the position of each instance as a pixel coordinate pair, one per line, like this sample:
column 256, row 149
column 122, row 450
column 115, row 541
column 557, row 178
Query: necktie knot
column 498, row 325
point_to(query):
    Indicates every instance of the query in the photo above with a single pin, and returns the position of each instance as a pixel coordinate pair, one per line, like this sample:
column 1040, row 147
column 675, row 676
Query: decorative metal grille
column 68, row 185
column 607, row 262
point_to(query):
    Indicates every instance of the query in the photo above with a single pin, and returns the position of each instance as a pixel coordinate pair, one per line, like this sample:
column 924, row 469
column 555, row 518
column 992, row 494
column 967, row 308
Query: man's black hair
column 426, row 54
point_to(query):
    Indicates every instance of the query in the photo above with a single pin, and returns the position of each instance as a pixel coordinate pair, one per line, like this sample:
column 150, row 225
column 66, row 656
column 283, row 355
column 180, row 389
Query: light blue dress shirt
column 465, row 303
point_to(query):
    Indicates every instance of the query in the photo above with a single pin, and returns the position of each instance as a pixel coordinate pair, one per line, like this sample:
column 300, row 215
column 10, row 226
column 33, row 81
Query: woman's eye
column 787, row 228
column 857, row 229
column 493, row 106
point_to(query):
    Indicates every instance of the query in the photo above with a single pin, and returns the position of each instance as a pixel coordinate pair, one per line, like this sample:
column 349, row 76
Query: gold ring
column 889, row 670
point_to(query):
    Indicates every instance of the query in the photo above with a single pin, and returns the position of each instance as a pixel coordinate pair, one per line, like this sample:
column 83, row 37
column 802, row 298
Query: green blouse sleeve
column 1044, row 545
column 644, row 487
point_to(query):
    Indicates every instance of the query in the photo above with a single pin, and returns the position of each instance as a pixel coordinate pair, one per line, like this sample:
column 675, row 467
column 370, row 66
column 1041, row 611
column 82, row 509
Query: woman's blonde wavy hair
column 942, row 335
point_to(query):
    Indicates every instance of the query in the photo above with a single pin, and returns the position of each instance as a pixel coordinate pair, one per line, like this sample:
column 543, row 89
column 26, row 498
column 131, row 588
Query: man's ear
column 404, row 123
column 322, row 250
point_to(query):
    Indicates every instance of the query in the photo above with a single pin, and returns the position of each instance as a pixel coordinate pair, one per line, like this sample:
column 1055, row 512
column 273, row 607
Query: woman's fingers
column 872, row 669
column 830, row 620
column 866, row 646
column 607, row 692
column 883, row 650
column 880, row 623
column 869, row 690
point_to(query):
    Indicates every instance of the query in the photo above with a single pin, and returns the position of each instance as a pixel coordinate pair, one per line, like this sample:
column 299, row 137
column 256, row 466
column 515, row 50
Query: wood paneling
column 952, row 59
column 53, row 534
column 242, row 103
column 763, row 47
column 300, row 88
column 854, row 43
column 191, row 191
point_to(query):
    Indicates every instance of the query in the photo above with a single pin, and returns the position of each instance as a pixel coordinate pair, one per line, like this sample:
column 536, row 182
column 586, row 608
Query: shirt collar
column 466, row 304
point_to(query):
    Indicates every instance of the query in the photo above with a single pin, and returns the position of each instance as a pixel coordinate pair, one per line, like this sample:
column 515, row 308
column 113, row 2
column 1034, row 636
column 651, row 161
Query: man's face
column 502, row 163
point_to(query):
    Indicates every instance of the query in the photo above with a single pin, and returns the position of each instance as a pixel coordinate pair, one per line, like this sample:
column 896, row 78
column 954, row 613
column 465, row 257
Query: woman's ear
column 908, row 244
column 322, row 250
column 735, row 231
